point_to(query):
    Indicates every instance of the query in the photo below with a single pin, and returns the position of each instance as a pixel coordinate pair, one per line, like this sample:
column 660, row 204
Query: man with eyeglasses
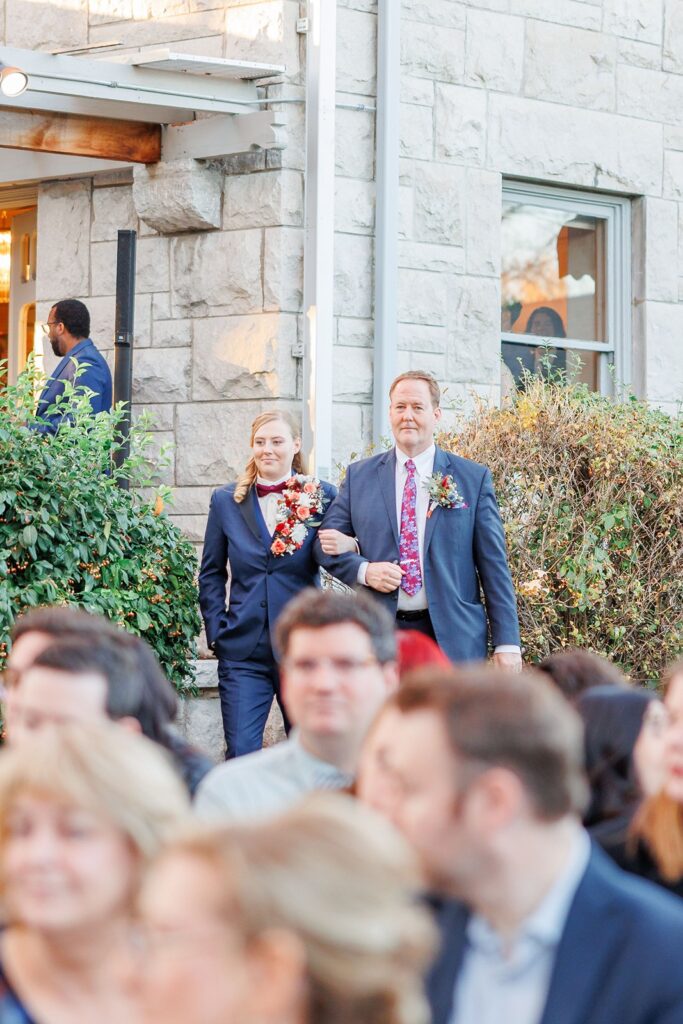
column 337, row 666
column 68, row 331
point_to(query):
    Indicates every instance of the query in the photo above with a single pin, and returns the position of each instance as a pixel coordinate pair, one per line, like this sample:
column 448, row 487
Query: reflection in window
column 552, row 287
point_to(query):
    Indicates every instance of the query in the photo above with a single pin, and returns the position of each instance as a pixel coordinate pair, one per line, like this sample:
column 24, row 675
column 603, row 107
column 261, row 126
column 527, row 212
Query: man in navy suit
column 483, row 774
column 427, row 559
column 68, row 330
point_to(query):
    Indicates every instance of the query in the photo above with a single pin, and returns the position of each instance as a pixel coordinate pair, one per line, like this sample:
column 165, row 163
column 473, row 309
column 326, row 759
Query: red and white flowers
column 301, row 501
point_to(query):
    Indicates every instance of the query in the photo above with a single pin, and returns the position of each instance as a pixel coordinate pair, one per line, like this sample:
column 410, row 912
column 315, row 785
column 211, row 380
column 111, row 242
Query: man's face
column 333, row 684
column 56, row 333
column 48, row 696
column 673, row 740
column 408, row 773
column 413, row 417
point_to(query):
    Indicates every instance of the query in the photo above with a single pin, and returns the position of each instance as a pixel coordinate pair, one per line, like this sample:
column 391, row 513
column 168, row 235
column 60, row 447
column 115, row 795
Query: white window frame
column 615, row 351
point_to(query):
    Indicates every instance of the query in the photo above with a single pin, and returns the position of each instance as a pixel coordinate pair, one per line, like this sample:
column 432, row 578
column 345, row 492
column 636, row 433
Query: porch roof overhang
column 131, row 108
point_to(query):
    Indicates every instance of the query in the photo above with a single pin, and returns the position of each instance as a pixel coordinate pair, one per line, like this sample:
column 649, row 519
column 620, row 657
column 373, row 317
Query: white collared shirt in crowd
column 498, row 984
column 268, row 503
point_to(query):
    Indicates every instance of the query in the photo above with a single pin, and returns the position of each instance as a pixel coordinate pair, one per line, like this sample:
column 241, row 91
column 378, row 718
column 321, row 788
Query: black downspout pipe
column 123, row 342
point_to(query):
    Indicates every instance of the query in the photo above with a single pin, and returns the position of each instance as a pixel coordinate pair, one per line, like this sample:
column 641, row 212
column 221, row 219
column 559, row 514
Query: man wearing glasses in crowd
column 68, row 331
column 338, row 665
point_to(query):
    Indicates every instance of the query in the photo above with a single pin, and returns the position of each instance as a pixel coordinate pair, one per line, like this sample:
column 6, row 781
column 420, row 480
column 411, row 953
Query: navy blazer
column 618, row 962
column 464, row 551
column 261, row 584
column 94, row 373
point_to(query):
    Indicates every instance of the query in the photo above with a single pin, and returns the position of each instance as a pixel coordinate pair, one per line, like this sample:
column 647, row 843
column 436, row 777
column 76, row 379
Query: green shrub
column 70, row 535
column 591, row 495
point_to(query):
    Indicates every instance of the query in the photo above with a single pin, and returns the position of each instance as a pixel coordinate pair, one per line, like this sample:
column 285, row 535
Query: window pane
column 577, row 365
column 553, row 274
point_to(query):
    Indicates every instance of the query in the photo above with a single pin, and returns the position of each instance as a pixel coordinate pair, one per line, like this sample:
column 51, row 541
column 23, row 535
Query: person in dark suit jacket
column 241, row 531
column 68, row 330
column 427, row 556
column 483, row 774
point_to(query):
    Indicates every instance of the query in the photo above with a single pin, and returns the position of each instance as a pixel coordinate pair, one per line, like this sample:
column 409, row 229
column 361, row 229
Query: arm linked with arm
column 338, row 517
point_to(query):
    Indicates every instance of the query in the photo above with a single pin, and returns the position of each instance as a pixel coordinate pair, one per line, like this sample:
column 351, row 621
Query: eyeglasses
column 50, row 323
column 340, row 666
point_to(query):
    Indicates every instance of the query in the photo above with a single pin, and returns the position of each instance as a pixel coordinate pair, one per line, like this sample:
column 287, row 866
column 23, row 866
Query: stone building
column 421, row 180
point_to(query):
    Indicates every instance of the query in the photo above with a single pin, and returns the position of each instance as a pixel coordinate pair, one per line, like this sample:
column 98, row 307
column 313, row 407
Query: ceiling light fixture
column 13, row 81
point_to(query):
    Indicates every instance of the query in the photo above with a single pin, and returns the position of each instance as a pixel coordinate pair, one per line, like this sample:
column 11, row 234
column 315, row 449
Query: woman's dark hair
column 574, row 671
column 75, row 317
column 555, row 318
column 612, row 717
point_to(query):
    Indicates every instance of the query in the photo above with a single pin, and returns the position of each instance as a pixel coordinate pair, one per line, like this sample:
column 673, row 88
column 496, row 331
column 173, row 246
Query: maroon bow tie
column 263, row 489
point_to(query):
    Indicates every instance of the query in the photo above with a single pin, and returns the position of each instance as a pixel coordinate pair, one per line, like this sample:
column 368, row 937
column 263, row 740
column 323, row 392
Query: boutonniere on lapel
column 443, row 491
column 301, row 501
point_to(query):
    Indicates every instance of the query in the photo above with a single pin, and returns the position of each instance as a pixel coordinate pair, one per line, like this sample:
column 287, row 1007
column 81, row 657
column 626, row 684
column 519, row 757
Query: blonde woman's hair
column 342, row 880
column 120, row 776
column 248, row 477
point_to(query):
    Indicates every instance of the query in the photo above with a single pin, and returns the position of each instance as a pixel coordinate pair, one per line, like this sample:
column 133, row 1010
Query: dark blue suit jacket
column 260, row 584
column 94, row 374
column 464, row 548
column 618, row 962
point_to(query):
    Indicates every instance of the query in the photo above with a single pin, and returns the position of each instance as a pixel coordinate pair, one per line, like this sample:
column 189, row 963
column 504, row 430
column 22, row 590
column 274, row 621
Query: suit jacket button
column 268, row 572
column 264, row 604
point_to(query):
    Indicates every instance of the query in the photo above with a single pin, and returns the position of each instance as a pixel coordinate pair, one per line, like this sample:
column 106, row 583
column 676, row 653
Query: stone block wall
column 487, row 92
column 580, row 93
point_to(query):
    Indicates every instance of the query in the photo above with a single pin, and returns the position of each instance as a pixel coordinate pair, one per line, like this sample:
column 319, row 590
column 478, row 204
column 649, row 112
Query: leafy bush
column 591, row 495
column 70, row 535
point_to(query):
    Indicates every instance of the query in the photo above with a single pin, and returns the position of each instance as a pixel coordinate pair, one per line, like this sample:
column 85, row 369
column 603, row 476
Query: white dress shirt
column 268, row 503
column 424, row 467
column 498, row 984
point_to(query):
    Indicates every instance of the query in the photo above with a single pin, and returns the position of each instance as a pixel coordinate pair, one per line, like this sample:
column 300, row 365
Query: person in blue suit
column 68, row 331
column 483, row 773
column 240, row 531
column 429, row 534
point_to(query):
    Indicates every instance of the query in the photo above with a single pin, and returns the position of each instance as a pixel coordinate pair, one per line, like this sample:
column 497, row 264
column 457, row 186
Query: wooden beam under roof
column 75, row 135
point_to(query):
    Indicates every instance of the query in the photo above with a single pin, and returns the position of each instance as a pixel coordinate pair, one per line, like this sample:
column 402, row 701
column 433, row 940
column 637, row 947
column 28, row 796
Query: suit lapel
column 451, row 919
column 582, row 963
column 252, row 516
column 441, row 464
column 386, row 471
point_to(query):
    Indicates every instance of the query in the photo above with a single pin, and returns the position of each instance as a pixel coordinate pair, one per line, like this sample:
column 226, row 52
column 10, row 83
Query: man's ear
column 501, row 798
column 437, row 413
column 277, row 966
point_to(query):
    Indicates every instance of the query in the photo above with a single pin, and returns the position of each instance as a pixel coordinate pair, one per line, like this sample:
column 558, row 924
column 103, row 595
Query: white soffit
column 132, row 91
column 191, row 64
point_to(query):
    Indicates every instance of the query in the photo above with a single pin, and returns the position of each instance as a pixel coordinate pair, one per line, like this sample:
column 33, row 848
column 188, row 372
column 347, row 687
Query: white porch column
column 318, row 298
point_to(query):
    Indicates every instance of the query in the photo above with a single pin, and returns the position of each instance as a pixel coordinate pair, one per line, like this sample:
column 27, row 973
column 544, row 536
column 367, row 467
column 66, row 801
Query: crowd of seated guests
column 477, row 862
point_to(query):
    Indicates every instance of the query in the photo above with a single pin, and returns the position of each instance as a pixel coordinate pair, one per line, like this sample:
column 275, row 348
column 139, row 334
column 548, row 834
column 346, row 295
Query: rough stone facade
column 582, row 93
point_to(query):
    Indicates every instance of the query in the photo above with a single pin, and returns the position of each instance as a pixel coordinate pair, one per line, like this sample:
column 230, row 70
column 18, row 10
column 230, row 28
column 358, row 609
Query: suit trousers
column 421, row 624
column 246, row 690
